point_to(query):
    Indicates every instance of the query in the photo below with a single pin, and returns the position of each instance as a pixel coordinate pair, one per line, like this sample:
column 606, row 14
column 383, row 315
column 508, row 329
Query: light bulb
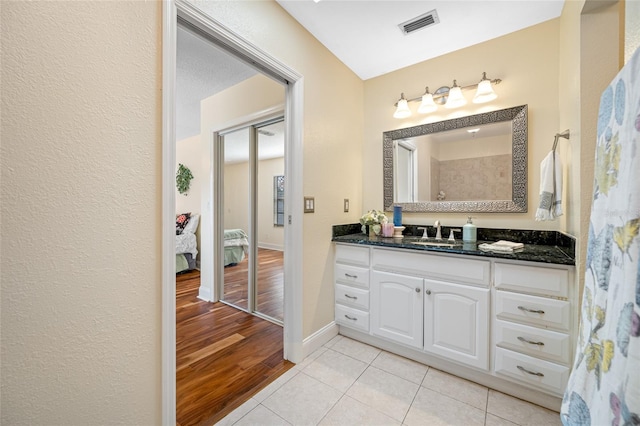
column 403, row 110
column 455, row 98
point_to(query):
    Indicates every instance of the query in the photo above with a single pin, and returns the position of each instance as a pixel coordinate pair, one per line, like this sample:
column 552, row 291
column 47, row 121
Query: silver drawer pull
column 533, row 373
column 350, row 297
column 533, row 311
column 350, row 318
column 428, row 292
column 350, row 276
column 522, row 339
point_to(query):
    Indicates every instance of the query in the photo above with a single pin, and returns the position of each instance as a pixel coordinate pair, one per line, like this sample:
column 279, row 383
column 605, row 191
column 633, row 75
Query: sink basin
column 434, row 244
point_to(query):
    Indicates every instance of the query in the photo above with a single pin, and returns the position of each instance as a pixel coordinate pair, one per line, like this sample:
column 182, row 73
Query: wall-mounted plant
column 183, row 179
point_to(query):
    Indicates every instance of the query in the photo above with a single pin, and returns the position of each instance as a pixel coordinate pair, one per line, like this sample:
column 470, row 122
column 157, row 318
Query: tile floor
column 349, row 383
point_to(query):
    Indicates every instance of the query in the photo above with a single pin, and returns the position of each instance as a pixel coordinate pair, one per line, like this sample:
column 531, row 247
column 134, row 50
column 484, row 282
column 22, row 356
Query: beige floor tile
column 275, row 385
column 357, row 350
column 335, row 369
column 492, row 420
column 384, row 392
column 400, row 366
column 435, row 409
column 348, row 411
column 520, row 412
column 303, row 400
column 455, row 387
column 238, row 413
column 309, row 359
column 261, row 416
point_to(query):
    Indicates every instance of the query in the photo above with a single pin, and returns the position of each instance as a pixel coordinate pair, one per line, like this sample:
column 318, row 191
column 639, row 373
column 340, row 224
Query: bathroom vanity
column 505, row 320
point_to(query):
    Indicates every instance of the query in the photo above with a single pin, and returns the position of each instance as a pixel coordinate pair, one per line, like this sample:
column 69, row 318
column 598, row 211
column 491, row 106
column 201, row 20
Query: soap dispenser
column 469, row 232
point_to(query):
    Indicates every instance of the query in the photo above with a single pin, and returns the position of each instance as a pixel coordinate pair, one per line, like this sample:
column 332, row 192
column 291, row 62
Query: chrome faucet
column 424, row 233
column 438, row 230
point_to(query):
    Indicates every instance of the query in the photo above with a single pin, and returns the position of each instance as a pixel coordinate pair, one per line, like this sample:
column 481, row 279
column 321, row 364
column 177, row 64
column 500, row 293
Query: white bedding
column 186, row 243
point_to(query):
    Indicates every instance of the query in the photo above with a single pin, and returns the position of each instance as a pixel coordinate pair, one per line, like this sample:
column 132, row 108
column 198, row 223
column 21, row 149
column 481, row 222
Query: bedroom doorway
column 251, row 162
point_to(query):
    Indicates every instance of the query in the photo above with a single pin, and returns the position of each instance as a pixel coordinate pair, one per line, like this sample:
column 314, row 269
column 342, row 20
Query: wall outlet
column 309, row 204
column 346, row 205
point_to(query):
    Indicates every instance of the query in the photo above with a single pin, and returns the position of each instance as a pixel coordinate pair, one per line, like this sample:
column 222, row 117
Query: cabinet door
column 396, row 308
column 456, row 319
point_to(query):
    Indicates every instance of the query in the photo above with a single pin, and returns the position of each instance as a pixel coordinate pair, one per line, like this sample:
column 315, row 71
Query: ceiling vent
column 423, row 21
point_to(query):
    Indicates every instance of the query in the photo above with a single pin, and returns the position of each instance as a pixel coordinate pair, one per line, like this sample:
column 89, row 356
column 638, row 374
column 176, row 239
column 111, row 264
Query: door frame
column 293, row 113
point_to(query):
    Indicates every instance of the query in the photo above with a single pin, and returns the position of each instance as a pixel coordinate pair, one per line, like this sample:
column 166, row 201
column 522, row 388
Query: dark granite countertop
column 539, row 246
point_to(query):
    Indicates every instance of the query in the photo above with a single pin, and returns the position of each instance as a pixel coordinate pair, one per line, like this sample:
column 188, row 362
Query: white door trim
column 293, row 203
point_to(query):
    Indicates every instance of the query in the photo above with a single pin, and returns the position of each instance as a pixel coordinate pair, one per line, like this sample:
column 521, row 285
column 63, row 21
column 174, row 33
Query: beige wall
column 526, row 61
column 236, row 196
column 332, row 137
column 81, row 213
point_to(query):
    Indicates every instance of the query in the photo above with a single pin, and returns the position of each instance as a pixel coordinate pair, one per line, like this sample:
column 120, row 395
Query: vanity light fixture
column 403, row 110
column 450, row 97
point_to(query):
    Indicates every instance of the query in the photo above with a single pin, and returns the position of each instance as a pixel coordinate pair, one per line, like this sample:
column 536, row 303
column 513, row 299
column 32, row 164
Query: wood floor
column 270, row 283
column 223, row 355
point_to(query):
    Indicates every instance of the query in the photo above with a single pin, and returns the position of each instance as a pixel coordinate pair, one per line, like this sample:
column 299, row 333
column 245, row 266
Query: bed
column 186, row 242
column 236, row 246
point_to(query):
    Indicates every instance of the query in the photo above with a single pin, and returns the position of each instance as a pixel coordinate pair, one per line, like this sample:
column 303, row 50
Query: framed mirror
column 470, row 164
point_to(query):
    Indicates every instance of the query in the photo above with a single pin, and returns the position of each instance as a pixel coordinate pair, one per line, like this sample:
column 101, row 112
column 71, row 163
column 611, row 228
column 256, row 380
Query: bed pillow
column 181, row 221
column 192, row 224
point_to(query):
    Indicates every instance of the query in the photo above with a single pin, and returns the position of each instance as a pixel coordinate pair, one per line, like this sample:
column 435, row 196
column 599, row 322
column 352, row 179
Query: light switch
column 309, row 204
column 346, row 205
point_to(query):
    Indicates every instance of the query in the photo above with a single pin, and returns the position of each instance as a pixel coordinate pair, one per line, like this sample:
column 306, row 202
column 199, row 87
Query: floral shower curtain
column 604, row 386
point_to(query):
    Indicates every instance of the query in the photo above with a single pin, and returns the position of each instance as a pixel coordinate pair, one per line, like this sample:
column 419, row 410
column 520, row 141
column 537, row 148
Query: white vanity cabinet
column 396, row 308
column 507, row 324
column 532, row 323
column 437, row 303
column 351, row 279
column 456, row 322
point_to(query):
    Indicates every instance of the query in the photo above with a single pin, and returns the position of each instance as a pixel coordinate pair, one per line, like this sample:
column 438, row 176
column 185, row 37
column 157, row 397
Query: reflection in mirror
column 458, row 165
column 471, row 164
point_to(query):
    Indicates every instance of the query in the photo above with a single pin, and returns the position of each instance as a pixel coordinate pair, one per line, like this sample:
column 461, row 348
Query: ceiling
column 365, row 36
column 202, row 70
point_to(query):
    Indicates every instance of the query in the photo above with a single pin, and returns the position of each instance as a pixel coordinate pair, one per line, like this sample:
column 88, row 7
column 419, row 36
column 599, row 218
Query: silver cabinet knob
column 428, row 291
column 417, row 289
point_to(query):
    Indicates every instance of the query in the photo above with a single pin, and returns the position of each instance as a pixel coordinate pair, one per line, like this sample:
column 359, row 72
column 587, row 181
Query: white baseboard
column 319, row 338
column 270, row 246
column 204, row 293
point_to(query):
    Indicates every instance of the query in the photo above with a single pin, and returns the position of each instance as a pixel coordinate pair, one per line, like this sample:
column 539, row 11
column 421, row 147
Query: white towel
column 501, row 246
column 550, row 188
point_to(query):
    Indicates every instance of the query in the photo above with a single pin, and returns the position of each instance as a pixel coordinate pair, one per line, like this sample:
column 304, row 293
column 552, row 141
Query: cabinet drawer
column 352, row 296
column 351, row 275
column 448, row 268
column 352, row 255
column 533, row 341
column 536, row 372
column 532, row 279
column 353, row 318
column 533, row 310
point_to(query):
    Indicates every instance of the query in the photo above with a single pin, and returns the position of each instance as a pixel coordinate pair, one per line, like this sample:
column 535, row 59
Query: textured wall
column 80, row 202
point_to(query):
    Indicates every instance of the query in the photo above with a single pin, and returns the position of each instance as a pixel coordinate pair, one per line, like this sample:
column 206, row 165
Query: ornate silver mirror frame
column 518, row 203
